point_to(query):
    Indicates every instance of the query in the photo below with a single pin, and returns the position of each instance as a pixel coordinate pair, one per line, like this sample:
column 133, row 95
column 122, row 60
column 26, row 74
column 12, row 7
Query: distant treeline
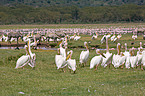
column 23, row 14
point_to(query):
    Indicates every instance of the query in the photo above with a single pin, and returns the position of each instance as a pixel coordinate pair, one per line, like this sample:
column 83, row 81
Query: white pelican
column 32, row 55
column 95, row 61
column 72, row 37
column 63, row 50
column 71, row 62
column 118, row 59
column 117, row 38
column 77, row 37
column 140, row 56
column 134, row 37
column 106, row 61
column 143, row 58
column 5, row 38
column 113, row 37
column 84, row 55
column 103, row 39
column 60, row 60
column 95, row 36
column 133, row 59
column 126, row 53
column 23, row 60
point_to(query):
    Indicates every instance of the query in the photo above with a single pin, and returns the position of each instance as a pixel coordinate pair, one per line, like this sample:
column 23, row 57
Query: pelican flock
column 127, row 58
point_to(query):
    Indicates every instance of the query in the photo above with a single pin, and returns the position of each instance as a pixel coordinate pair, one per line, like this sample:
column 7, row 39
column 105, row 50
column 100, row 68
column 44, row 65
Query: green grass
column 46, row 80
column 114, row 25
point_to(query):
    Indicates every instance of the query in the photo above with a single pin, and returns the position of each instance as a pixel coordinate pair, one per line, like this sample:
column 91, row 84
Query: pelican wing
column 139, row 61
column 133, row 61
column 71, row 64
column 115, row 60
column 60, row 61
column 62, row 52
column 107, row 60
column 127, row 64
column 95, row 61
column 23, row 60
column 84, row 56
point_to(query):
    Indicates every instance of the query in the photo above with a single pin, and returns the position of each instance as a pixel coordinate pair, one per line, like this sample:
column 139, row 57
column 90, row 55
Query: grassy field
column 46, row 80
column 125, row 25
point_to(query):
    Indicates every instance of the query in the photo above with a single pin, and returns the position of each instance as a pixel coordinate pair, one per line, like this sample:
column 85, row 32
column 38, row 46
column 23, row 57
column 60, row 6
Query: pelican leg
column 70, row 70
column 30, row 65
column 96, row 67
column 74, row 72
column 142, row 67
column 122, row 66
column 85, row 64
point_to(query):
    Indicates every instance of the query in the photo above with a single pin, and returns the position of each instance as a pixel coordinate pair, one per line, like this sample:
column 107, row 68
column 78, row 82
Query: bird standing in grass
column 29, row 58
column 71, row 62
column 95, row 61
column 84, row 55
column 107, row 61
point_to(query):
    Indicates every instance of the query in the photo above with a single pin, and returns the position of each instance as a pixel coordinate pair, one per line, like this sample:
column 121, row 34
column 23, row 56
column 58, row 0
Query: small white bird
column 113, row 37
column 134, row 37
column 103, row 39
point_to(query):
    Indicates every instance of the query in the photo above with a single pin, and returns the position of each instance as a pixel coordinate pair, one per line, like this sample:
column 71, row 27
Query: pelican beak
column 102, row 54
column 122, row 54
column 68, row 56
column 87, row 46
column 59, row 42
column 119, row 49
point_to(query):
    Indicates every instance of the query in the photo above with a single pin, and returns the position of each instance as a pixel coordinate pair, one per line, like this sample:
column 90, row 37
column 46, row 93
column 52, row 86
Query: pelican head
column 86, row 45
column 70, row 52
column 99, row 52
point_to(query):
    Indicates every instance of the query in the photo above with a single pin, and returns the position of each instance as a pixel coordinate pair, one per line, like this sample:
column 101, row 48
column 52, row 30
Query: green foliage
column 24, row 14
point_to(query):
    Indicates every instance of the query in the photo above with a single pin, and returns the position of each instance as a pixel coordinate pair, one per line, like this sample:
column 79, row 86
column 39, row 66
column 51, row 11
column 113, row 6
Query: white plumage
column 95, row 61
column 71, row 62
column 22, row 61
column 77, row 38
column 106, row 61
column 84, row 55
column 60, row 61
